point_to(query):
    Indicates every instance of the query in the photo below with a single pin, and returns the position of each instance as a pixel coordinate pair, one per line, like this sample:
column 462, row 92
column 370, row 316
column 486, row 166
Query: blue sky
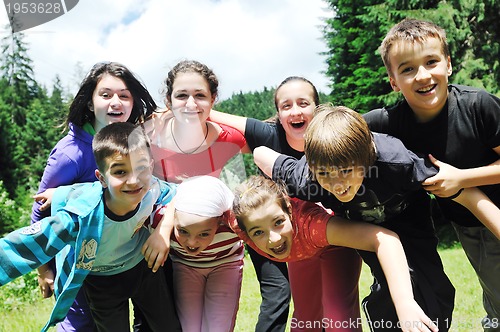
column 248, row 43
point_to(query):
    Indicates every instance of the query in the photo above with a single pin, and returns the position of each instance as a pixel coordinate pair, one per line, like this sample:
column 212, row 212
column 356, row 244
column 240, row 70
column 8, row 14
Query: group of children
column 334, row 181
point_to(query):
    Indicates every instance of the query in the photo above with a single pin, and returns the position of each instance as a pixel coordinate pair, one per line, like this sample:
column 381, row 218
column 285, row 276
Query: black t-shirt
column 391, row 194
column 463, row 135
column 260, row 133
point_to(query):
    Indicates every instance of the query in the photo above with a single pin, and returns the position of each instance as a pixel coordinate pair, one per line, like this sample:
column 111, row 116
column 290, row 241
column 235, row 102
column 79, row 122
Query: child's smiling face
column 127, row 179
column 270, row 228
column 343, row 183
column 194, row 233
column 420, row 71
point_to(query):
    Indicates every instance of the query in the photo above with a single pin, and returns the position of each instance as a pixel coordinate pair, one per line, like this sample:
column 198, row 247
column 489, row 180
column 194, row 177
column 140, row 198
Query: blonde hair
column 413, row 31
column 338, row 137
column 256, row 191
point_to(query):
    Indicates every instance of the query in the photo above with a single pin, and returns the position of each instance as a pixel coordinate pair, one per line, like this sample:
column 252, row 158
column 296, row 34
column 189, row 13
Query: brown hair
column 256, row 191
column 413, row 31
column 338, row 137
column 190, row 66
column 118, row 137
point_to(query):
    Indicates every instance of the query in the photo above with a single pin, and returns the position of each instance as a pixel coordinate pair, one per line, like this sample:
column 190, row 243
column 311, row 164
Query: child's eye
column 279, row 222
column 433, row 61
column 346, row 171
column 181, row 96
column 204, row 235
column 257, row 233
column 285, row 107
column 406, row 70
column 119, row 172
column 182, row 231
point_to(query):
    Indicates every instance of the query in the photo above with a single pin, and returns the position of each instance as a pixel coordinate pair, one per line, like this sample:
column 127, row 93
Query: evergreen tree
column 16, row 67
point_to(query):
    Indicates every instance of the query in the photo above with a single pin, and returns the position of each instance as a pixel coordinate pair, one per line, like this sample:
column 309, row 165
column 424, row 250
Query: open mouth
column 115, row 114
column 280, row 250
column 298, row 124
column 426, row 89
column 340, row 193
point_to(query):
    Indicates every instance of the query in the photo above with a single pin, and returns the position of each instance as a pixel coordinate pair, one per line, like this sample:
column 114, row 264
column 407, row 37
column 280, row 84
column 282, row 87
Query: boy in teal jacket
column 96, row 233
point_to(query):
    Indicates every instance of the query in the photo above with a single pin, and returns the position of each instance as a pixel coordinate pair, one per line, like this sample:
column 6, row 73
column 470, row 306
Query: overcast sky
column 248, row 43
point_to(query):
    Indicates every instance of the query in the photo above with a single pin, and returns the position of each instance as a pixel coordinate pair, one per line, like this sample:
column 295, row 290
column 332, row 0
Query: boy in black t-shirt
column 458, row 125
column 373, row 177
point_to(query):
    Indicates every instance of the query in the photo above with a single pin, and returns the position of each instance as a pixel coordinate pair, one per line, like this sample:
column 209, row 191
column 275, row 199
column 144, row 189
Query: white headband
column 205, row 196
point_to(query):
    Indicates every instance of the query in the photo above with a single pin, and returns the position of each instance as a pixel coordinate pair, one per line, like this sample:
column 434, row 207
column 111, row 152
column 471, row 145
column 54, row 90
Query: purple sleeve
column 60, row 170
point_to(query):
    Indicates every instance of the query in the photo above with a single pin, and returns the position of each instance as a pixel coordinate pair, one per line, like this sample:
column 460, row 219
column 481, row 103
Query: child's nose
column 274, row 236
column 190, row 103
column 422, row 73
column 133, row 178
column 115, row 101
column 296, row 110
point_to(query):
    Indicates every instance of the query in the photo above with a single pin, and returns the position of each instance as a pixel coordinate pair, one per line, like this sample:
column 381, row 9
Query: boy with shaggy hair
column 372, row 177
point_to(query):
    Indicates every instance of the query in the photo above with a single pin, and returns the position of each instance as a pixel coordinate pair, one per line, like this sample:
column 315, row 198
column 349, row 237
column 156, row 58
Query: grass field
column 467, row 315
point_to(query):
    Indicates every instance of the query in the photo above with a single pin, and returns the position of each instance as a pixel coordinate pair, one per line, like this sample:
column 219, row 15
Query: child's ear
column 101, row 178
column 394, row 86
column 450, row 68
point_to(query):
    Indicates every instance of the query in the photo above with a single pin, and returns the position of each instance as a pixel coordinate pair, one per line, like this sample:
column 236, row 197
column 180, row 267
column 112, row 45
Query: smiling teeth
column 342, row 192
column 426, row 89
column 279, row 248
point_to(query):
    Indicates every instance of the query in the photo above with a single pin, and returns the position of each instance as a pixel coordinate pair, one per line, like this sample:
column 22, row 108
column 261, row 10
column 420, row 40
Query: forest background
column 31, row 114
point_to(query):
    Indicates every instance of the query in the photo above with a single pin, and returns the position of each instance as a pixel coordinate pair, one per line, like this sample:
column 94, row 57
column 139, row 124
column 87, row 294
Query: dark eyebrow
column 114, row 165
column 108, row 89
column 402, row 64
column 254, row 227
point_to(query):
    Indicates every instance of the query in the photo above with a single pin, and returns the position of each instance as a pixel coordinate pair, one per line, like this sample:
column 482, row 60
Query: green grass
column 27, row 317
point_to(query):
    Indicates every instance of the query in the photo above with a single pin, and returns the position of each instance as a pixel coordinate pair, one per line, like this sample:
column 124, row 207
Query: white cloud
column 248, row 43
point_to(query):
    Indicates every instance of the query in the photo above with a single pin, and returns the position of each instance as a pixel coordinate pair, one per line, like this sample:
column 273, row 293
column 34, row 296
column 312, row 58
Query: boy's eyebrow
column 116, row 164
column 432, row 55
column 404, row 63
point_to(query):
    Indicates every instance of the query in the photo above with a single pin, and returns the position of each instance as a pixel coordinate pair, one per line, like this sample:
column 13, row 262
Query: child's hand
column 446, row 182
column 45, row 197
column 46, row 282
column 156, row 249
column 412, row 318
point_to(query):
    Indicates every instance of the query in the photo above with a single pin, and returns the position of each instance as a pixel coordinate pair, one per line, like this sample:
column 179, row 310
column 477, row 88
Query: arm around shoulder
column 235, row 121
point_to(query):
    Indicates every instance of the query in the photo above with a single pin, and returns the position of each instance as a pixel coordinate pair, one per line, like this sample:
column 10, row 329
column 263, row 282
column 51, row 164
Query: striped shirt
column 226, row 247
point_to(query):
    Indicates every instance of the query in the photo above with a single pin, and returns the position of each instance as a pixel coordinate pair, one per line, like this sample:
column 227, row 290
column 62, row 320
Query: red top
column 170, row 165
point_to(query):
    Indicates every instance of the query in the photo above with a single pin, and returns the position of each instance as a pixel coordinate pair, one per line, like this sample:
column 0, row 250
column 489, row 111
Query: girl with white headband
column 207, row 256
